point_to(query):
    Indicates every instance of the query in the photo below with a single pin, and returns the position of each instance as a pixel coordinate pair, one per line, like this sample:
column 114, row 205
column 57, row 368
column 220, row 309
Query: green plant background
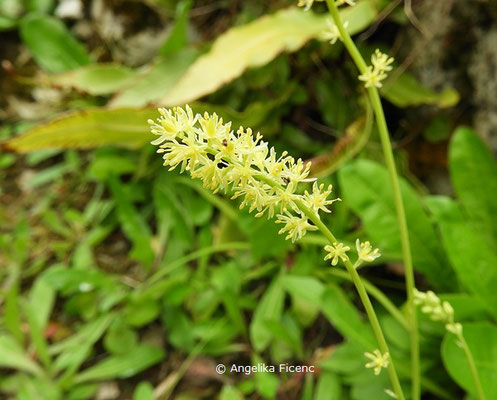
column 121, row 279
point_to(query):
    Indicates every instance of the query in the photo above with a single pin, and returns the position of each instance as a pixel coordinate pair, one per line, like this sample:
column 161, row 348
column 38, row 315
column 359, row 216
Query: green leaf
column 482, row 341
column 41, row 299
column 123, row 366
column 269, row 308
column 406, row 91
column 51, row 44
column 144, row 391
column 473, row 261
column 123, row 127
column 229, row 392
column 13, row 356
column 328, row 387
column 367, row 190
column 473, row 170
column 96, row 79
column 342, row 314
column 178, row 36
column 133, row 224
column 255, row 44
column 151, row 85
column 304, row 287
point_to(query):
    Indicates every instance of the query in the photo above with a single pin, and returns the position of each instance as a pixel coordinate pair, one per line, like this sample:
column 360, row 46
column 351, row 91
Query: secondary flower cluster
column 437, row 310
column 242, row 163
column 365, row 253
column 377, row 72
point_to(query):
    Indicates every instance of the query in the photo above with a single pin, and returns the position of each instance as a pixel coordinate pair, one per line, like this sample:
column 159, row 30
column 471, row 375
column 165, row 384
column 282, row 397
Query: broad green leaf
column 473, row 170
column 255, row 44
column 304, row 287
column 123, row 366
column 124, row 127
column 367, row 190
column 13, row 356
column 96, row 79
column 269, row 308
column 42, row 6
column 151, row 85
column 406, row 91
column 133, row 224
column 344, row 316
column 482, row 341
column 473, row 261
column 51, row 43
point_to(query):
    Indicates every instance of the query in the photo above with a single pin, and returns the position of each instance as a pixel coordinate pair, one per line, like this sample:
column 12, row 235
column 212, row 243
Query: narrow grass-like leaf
column 12, row 356
column 124, row 365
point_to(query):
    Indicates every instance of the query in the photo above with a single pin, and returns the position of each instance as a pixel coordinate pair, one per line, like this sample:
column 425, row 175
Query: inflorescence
column 241, row 163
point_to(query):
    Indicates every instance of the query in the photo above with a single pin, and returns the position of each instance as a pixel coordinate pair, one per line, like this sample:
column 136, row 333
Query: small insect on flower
column 378, row 361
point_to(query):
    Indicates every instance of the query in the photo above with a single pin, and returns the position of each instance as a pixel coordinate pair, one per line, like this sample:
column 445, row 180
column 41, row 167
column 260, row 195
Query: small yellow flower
column 295, row 226
column 378, row 362
column 437, row 310
column 318, row 199
column 332, row 33
column 338, row 250
column 376, row 73
column 365, row 251
column 372, row 77
column 348, row 2
column 381, row 61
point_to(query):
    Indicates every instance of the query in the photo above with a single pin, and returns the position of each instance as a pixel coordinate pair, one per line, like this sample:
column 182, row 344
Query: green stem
column 356, row 279
column 399, row 205
column 472, row 365
column 377, row 294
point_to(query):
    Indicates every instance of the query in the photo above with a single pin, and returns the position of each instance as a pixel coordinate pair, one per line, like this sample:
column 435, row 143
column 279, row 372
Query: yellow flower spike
column 338, row 250
column 365, row 251
column 378, row 361
column 239, row 162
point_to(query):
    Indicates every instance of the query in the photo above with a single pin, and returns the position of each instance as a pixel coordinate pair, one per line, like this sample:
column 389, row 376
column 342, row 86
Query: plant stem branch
column 399, row 205
column 356, row 279
column 472, row 366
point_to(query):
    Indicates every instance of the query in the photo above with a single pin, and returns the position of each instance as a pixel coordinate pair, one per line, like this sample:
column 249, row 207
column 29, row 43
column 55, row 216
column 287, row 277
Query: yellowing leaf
column 98, row 127
column 256, row 44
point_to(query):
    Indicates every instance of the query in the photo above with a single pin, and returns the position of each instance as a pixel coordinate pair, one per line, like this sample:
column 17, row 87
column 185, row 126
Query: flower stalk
column 243, row 164
column 367, row 72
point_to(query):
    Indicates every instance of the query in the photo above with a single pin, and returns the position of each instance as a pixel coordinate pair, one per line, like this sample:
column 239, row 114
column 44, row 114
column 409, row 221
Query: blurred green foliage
column 116, row 270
